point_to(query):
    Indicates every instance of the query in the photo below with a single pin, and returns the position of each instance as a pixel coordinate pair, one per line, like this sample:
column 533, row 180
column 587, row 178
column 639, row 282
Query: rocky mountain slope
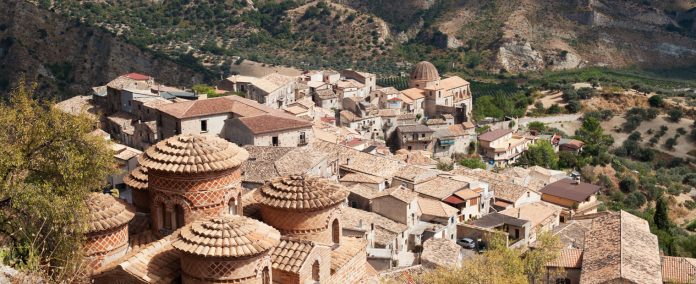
column 523, row 35
column 66, row 57
column 382, row 36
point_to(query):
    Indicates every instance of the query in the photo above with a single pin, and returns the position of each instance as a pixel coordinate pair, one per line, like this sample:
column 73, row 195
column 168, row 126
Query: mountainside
column 382, row 36
column 66, row 57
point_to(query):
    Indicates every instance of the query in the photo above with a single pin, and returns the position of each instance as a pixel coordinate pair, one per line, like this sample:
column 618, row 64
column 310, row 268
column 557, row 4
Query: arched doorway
column 315, row 271
column 266, row 276
column 179, row 213
column 335, row 232
column 232, row 204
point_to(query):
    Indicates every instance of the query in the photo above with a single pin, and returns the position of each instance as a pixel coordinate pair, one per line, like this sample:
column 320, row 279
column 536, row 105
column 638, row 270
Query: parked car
column 466, row 243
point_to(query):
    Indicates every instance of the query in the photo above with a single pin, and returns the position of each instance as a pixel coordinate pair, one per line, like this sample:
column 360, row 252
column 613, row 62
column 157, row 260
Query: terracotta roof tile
column 386, row 230
column 568, row 258
column 137, row 178
column 189, row 153
column 272, row 123
column 156, row 262
column 106, row 212
column 349, row 248
column 440, row 187
column 440, row 253
column 301, row 192
column 290, row 254
column 436, row 208
column 361, row 178
column 678, row 269
column 494, row 134
column 227, row 236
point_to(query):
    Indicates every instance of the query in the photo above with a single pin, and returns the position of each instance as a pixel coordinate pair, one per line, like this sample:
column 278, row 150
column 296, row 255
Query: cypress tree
column 661, row 219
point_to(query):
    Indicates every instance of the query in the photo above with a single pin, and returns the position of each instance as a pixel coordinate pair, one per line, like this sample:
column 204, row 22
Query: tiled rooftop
column 440, row 187
column 432, row 207
column 189, row 153
column 568, row 258
column 227, row 236
column 301, row 192
column 290, row 254
column 106, row 212
column 386, row 230
column 137, row 178
column 440, row 253
column 678, row 269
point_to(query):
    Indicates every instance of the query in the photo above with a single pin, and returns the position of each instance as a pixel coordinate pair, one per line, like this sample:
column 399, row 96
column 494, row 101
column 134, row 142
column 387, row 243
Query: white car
column 467, row 243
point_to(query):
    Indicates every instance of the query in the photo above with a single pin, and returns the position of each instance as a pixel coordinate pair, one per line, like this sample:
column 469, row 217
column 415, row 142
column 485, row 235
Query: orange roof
column 189, row 153
column 467, row 194
column 270, row 123
column 678, row 269
column 227, row 236
column 137, row 76
column 413, row 93
column 136, row 179
column 226, row 104
column 300, row 192
column 453, row 82
column 106, row 212
column 568, row 258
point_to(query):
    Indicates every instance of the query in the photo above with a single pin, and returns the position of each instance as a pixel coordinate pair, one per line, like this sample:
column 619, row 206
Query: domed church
column 431, row 96
column 188, row 225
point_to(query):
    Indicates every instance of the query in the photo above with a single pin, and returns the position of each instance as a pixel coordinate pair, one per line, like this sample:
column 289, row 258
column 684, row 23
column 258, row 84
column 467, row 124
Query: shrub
column 675, row 115
column 628, row 184
column 472, row 163
column 656, row 101
column 670, row 143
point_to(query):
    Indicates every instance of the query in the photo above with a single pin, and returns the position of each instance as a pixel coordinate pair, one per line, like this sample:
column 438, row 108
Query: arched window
column 266, row 276
column 179, row 213
column 335, row 231
column 315, row 271
column 232, row 206
column 162, row 212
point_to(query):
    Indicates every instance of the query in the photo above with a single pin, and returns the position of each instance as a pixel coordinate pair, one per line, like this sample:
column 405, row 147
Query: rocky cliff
column 67, row 58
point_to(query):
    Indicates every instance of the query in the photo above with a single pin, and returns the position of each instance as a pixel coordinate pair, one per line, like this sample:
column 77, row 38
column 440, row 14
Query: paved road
column 551, row 119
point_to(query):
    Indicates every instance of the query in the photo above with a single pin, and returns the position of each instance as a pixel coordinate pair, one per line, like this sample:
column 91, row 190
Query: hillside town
column 328, row 177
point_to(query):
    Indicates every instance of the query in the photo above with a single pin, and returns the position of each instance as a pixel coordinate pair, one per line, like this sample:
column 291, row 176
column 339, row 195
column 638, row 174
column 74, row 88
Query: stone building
column 227, row 249
column 107, row 229
column 440, row 96
column 192, row 177
column 306, row 210
column 136, row 181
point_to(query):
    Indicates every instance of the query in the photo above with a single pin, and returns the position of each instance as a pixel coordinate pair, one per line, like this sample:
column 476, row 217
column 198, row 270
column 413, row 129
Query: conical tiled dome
column 426, row 71
column 227, row 236
column 137, row 179
column 189, row 153
column 106, row 212
column 301, row 192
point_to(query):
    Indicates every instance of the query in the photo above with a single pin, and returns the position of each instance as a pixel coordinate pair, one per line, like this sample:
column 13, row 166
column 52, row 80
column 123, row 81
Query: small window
column 274, row 141
column 204, row 126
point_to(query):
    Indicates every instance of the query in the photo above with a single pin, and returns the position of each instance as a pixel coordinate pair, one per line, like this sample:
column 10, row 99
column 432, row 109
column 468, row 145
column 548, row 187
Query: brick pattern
column 103, row 247
column 200, row 195
column 312, row 225
column 224, row 270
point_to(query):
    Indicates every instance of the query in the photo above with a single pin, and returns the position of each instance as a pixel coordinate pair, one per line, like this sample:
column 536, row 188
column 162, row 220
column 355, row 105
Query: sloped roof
column 290, row 254
column 401, row 193
column 267, row 123
column 298, row 161
column 137, row 178
column 226, row 104
column 386, row 230
column 496, row 219
column 436, row 208
column 419, row 128
column 260, row 166
column 494, row 134
column 366, row 192
column 571, row 189
column 227, row 236
column 440, row 187
column 621, row 247
column 440, row 253
column 453, row 82
column 189, row 153
column 412, row 94
column 678, row 269
column 301, row 192
column 326, row 94
column 539, row 213
column 568, row 258
column 415, row 174
column 156, row 262
column 350, row 247
column 361, row 178
column 106, row 212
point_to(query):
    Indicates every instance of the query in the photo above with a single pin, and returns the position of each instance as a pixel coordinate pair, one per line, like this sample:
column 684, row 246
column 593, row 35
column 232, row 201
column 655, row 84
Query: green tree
column 547, row 249
column 567, row 160
column 628, row 184
column 656, row 101
column 472, row 163
column 661, row 218
column 540, row 154
column 596, row 142
column 537, row 126
column 497, row 265
column 49, row 164
column 675, row 115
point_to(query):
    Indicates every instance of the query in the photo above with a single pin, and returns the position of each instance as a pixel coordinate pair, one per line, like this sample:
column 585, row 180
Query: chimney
column 519, row 213
column 360, row 223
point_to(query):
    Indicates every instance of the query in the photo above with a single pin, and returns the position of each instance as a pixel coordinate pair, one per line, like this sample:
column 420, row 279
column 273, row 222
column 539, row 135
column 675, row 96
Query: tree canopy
column 48, row 164
column 540, row 154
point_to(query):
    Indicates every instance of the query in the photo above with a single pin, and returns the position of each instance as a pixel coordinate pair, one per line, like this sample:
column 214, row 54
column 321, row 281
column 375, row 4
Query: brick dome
column 189, row 153
column 137, row 179
column 106, row 212
column 301, row 193
column 425, row 71
column 227, row 236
